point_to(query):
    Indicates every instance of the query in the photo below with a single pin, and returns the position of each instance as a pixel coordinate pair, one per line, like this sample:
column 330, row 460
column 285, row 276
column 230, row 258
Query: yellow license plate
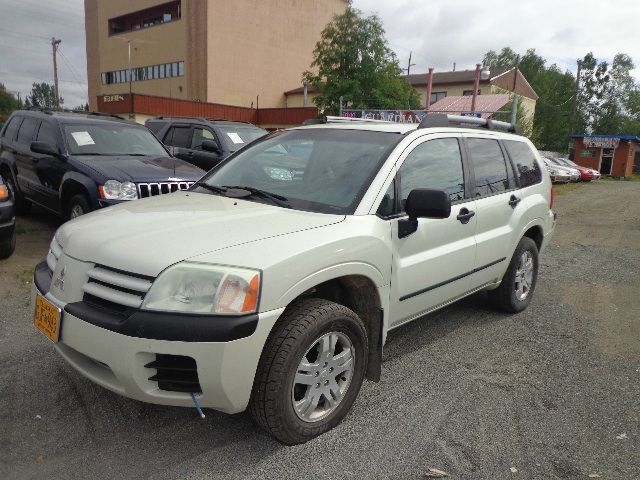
column 46, row 318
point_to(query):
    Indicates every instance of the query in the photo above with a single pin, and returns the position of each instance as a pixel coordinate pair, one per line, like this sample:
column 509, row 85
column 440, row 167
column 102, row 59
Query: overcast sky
column 439, row 32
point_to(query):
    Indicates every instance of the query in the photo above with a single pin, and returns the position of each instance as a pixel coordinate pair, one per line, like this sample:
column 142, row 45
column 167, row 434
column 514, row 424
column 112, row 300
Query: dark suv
column 73, row 163
column 201, row 141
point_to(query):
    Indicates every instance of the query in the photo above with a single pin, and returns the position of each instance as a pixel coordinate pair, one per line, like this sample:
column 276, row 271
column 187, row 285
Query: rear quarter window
column 527, row 168
column 11, row 128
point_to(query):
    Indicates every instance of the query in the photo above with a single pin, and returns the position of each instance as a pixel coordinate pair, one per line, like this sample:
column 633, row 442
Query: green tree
column 42, row 95
column 8, row 103
column 352, row 59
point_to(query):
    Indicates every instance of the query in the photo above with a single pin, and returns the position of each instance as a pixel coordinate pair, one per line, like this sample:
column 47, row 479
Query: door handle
column 513, row 201
column 465, row 215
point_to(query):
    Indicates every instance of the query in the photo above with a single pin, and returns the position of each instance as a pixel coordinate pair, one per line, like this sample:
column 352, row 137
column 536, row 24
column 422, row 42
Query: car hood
column 146, row 236
column 141, row 169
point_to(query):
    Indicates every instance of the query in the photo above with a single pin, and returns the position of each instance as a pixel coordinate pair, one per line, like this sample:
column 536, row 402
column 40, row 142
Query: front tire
column 8, row 246
column 310, row 372
column 78, row 205
column 519, row 282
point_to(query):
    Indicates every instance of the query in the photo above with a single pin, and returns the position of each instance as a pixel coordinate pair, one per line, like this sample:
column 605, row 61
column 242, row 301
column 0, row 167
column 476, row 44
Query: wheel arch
column 356, row 286
column 74, row 183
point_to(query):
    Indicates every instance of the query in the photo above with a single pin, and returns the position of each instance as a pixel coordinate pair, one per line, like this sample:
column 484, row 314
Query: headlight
column 115, row 190
column 207, row 289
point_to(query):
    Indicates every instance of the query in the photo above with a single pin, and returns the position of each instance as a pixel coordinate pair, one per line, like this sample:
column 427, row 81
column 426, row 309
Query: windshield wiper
column 211, row 188
column 276, row 199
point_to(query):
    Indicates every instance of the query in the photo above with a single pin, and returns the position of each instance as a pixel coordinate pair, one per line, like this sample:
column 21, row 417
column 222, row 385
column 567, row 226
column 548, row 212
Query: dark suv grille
column 160, row 188
column 175, row 373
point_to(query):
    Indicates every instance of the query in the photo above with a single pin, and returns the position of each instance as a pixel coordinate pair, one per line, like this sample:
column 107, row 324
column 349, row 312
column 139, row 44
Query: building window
column 138, row 74
column 469, row 93
column 436, row 96
column 149, row 17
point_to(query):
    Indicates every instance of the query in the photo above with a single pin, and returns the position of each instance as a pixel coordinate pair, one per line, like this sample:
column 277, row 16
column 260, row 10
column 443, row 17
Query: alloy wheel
column 524, row 275
column 323, row 377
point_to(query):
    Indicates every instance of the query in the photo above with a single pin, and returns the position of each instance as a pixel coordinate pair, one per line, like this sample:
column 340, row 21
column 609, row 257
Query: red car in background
column 586, row 174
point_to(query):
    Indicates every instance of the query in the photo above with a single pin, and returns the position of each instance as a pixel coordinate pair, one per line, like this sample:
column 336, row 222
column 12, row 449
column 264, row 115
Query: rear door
column 496, row 197
column 27, row 178
column 178, row 138
column 432, row 265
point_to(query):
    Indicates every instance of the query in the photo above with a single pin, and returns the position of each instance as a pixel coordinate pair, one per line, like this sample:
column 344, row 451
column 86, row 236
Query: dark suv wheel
column 77, row 206
column 310, row 372
column 22, row 205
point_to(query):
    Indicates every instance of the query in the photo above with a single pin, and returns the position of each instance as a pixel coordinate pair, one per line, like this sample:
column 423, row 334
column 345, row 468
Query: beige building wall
column 180, row 40
column 294, row 100
column 262, row 47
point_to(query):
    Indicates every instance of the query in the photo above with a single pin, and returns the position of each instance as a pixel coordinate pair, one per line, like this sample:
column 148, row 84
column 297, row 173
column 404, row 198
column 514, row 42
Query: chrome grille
column 160, row 188
column 55, row 250
column 117, row 287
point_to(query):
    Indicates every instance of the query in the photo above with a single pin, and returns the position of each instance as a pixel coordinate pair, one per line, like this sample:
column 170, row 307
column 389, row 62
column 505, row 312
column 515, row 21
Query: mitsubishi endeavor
column 271, row 284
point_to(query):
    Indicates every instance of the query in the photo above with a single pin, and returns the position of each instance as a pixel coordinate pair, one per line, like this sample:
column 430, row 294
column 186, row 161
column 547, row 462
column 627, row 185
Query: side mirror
column 45, row 149
column 210, row 146
column 424, row 203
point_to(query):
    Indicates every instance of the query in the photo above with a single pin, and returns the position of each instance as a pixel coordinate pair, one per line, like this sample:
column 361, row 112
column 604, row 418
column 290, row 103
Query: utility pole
column 54, row 46
column 574, row 104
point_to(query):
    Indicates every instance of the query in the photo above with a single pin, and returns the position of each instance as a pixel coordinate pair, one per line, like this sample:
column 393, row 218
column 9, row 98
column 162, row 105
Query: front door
column 432, row 265
column 49, row 169
column 200, row 157
column 26, row 176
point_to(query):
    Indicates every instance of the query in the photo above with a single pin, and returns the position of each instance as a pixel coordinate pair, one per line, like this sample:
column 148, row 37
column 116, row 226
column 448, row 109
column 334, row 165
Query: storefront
column 609, row 154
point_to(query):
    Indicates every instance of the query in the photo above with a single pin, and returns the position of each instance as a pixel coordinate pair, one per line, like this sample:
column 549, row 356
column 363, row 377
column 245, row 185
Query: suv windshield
column 111, row 139
column 319, row 170
column 237, row 137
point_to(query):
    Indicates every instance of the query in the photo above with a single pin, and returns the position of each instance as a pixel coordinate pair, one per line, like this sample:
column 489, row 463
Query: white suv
column 271, row 284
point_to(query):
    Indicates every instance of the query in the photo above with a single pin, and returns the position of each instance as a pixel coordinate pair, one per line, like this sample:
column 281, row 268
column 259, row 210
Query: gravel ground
column 551, row 393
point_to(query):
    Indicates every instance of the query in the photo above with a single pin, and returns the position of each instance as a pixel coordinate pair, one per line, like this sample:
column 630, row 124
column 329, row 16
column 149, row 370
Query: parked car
column 586, row 174
column 557, row 174
column 275, row 291
column 73, row 163
column 574, row 174
column 201, row 141
column 7, row 221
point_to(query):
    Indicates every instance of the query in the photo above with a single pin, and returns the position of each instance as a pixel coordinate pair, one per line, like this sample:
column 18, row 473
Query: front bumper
column 120, row 363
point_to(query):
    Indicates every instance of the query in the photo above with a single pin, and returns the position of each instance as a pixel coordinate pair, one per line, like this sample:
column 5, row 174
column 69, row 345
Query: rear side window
column 25, row 134
column 47, row 133
column 435, row 164
column 178, row 137
column 12, row 128
column 527, row 168
column 489, row 166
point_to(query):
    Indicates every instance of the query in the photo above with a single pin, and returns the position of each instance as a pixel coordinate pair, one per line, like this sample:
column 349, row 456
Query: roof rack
column 40, row 109
column 334, row 119
column 167, row 117
column 98, row 114
column 437, row 120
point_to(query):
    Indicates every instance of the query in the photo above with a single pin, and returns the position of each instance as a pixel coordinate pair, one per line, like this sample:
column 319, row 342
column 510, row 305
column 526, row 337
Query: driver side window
column 199, row 135
column 435, row 164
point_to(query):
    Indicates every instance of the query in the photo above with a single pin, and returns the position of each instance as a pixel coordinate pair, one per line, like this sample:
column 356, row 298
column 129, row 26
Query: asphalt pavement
column 551, row 393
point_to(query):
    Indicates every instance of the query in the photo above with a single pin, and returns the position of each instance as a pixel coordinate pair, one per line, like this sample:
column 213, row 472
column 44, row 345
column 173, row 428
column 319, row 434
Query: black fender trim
column 89, row 185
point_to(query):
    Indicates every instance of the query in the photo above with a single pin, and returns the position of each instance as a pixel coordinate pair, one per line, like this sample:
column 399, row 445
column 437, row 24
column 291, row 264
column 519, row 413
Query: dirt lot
column 551, row 393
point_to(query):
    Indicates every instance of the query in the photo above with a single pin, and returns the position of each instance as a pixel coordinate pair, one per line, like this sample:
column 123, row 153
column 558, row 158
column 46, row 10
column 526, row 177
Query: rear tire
column 519, row 282
column 8, row 246
column 286, row 400
column 22, row 205
column 78, row 205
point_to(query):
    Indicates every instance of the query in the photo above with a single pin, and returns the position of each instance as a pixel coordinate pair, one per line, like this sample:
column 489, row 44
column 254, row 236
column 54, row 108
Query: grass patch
column 561, row 189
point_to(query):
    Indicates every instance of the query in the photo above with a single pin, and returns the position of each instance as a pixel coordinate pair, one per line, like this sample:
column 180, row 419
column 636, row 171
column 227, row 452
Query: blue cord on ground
column 195, row 401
